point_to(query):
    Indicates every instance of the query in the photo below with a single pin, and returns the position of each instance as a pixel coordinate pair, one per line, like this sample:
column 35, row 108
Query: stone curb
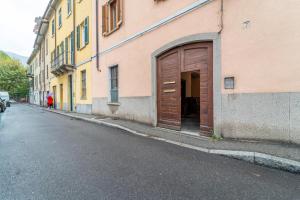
column 253, row 157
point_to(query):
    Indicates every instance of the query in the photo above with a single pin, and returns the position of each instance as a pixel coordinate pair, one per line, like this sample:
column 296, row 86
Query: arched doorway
column 185, row 87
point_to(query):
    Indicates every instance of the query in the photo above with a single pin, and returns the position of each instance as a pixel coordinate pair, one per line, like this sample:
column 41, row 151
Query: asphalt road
column 48, row 156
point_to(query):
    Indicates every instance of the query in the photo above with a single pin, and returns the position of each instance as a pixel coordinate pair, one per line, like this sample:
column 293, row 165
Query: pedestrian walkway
column 277, row 155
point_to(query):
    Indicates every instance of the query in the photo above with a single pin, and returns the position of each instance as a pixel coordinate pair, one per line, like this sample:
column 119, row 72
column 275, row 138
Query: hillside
column 15, row 56
column 4, row 56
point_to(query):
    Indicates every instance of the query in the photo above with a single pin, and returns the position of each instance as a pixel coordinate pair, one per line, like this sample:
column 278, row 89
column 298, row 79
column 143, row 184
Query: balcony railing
column 64, row 62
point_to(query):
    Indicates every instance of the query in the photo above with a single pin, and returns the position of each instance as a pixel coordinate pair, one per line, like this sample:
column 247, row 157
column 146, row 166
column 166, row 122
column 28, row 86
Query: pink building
column 226, row 67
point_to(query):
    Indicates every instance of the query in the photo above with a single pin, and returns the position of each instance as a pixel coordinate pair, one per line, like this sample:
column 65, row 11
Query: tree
column 13, row 77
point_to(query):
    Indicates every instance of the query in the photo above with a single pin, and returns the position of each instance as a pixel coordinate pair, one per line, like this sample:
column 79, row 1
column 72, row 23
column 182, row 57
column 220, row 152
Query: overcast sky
column 17, row 22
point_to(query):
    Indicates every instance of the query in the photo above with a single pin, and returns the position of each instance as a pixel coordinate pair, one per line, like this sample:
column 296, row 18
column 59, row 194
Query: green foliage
column 216, row 138
column 13, row 77
column 4, row 56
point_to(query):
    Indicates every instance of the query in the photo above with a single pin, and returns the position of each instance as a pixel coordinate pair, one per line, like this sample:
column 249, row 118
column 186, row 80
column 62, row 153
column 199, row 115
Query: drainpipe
column 74, row 26
column 221, row 17
column 97, row 36
column 74, row 77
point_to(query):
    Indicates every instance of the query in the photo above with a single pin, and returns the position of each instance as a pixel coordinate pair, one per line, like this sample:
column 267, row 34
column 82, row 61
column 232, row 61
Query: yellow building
column 66, row 32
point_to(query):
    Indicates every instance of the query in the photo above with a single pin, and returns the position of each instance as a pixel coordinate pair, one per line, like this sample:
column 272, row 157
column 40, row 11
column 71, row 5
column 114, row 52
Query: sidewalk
column 276, row 155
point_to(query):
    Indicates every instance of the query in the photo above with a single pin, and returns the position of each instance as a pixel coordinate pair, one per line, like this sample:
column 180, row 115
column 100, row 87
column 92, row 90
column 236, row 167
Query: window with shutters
column 62, row 51
column 46, row 44
column 69, row 49
column 59, row 18
column 114, row 84
column 83, row 84
column 69, row 6
column 72, row 48
column 43, row 53
column 82, row 34
column 112, row 16
column 53, row 27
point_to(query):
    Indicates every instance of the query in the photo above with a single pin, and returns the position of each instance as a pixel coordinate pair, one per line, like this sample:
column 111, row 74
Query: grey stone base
column 65, row 106
column 267, row 116
column 84, row 108
column 131, row 108
column 258, row 116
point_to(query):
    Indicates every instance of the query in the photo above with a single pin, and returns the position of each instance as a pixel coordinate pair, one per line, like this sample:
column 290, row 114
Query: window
column 83, row 34
column 69, row 49
column 86, row 31
column 114, row 84
column 59, row 18
column 83, row 84
column 46, row 46
column 62, row 51
column 43, row 53
column 67, row 54
column 72, row 45
column 69, row 7
column 40, row 56
column 53, row 27
column 112, row 15
column 52, row 56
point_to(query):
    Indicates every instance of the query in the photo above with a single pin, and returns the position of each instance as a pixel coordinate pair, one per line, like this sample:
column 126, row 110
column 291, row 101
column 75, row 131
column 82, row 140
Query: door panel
column 199, row 57
column 206, row 90
column 168, row 87
column 54, row 97
column 61, row 97
column 71, row 92
column 192, row 57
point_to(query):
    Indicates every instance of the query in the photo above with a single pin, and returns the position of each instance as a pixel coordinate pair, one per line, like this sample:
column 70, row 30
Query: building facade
column 228, row 67
column 223, row 67
column 65, row 44
column 37, row 79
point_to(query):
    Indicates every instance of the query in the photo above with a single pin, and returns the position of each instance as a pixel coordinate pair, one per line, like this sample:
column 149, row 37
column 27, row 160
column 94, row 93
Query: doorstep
column 276, row 155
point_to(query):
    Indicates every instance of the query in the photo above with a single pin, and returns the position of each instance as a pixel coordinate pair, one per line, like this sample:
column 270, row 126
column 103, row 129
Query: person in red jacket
column 49, row 101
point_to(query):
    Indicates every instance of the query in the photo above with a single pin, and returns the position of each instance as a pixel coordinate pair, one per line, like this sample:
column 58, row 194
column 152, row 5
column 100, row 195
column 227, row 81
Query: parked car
column 5, row 96
column 2, row 105
column 12, row 101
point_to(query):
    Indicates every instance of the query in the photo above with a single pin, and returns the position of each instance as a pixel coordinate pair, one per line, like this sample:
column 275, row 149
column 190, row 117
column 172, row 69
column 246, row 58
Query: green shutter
column 62, row 47
column 53, row 27
column 78, row 37
column 72, row 48
column 67, row 49
column 86, row 23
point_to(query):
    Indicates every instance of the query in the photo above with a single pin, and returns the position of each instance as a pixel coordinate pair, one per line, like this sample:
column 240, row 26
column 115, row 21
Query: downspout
column 44, row 58
column 97, row 36
column 221, row 17
column 74, row 27
column 74, row 57
column 55, row 42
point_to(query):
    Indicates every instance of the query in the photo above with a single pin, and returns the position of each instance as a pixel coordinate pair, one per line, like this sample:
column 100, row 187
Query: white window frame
column 69, row 7
column 59, row 18
column 82, row 30
column 110, row 84
column 53, row 27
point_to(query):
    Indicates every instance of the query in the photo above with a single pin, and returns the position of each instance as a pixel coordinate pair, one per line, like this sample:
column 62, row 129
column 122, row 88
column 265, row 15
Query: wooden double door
column 192, row 57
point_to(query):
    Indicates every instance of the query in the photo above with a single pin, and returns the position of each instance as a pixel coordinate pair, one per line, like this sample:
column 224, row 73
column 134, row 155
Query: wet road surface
column 48, row 156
